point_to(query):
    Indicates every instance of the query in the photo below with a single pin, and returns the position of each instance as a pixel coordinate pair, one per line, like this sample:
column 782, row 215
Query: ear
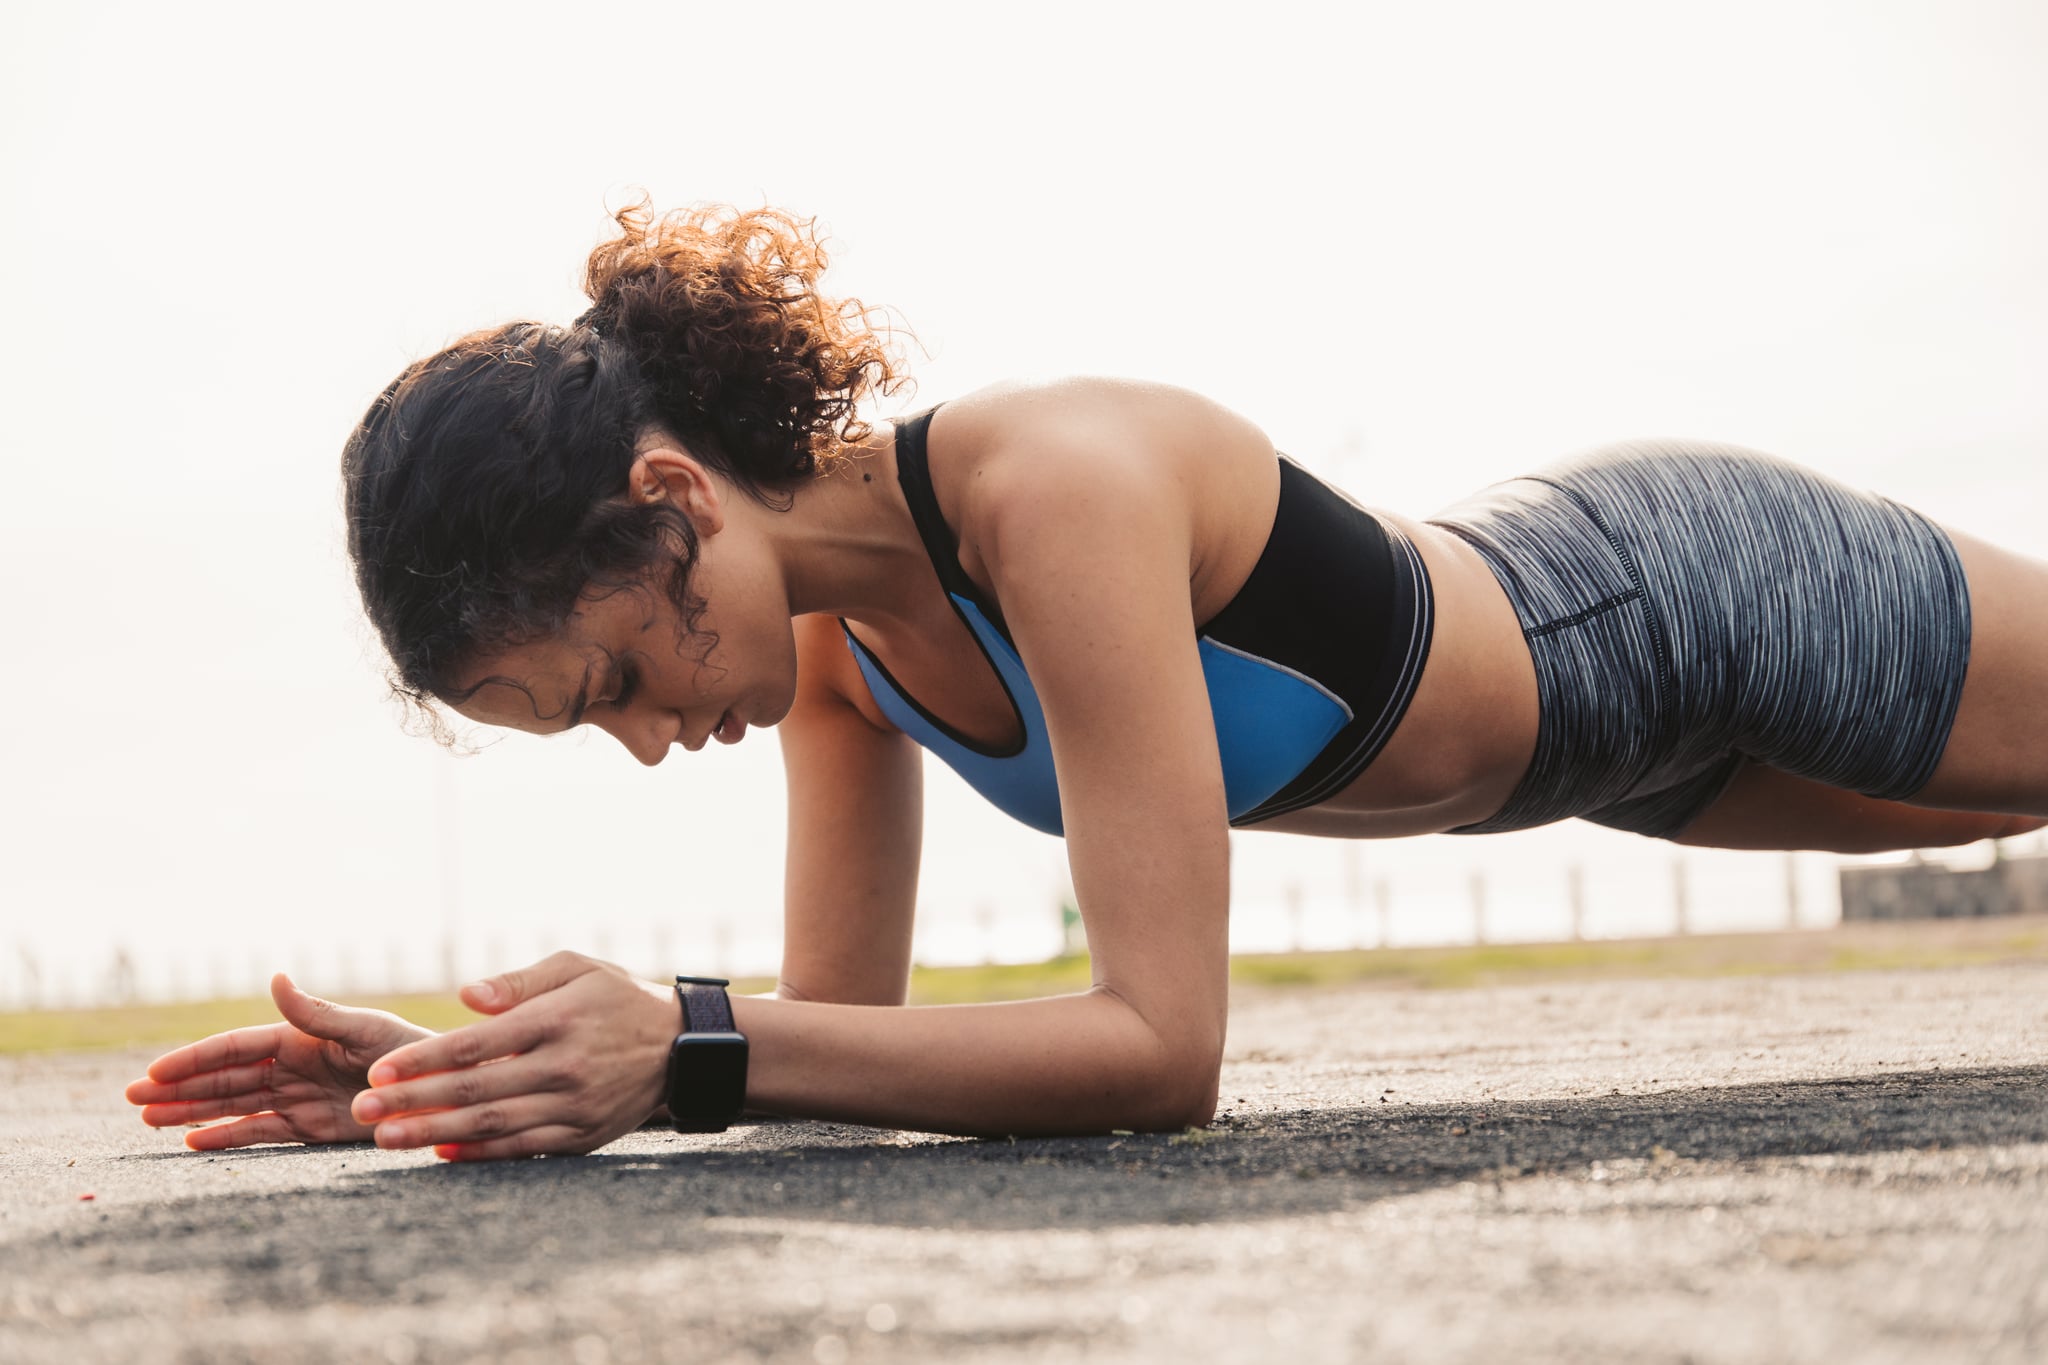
column 668, row 473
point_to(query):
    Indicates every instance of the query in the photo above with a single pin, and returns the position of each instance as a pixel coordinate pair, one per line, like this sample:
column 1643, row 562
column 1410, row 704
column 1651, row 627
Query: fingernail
column 394, row 1135
column 382, row 1074
column 369, row 1109
column 484, row 991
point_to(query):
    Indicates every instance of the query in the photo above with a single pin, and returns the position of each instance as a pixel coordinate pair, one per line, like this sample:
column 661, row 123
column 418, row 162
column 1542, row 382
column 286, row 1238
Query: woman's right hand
column 285, row 1082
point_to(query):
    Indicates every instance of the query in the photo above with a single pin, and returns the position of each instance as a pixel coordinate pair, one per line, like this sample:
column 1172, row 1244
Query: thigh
column 1763, row 808
column 1997, row 752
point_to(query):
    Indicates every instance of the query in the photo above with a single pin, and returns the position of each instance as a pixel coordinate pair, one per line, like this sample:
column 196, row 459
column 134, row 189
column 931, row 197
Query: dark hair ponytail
column 484, row 487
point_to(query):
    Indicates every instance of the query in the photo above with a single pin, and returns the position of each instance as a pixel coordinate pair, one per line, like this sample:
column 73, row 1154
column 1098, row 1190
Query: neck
column 847, row 546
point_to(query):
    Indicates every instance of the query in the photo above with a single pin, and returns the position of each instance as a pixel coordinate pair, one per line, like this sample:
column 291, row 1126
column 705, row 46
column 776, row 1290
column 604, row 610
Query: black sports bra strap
column 913, row 468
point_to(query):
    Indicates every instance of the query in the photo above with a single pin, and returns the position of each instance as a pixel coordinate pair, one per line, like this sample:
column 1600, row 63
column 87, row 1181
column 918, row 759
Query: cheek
column 770, row 658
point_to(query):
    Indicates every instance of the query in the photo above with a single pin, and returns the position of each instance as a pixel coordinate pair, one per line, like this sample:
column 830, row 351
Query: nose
column 644, row 737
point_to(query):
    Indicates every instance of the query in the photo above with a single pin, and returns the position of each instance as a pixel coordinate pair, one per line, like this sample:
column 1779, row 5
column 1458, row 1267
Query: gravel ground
column 1817, row 1168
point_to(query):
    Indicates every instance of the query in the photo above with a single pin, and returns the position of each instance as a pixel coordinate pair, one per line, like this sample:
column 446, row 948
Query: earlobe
column 702, row 502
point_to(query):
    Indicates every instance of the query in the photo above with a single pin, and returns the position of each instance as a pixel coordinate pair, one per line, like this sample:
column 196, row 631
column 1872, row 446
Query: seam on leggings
column 1579, row 618
column 1666, row 693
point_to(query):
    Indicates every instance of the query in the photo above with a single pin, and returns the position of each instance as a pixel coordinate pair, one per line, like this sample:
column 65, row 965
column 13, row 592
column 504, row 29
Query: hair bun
column 747, row 360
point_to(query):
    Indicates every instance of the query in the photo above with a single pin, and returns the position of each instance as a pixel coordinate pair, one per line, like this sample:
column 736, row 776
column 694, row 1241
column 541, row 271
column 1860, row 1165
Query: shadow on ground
column 379, row 1235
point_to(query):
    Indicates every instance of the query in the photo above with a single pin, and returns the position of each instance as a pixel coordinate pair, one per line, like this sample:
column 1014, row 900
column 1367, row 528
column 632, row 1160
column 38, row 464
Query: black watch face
column 707, row 1079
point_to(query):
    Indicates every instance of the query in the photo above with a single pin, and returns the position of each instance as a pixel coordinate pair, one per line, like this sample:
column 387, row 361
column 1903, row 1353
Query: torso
column 1469, row 728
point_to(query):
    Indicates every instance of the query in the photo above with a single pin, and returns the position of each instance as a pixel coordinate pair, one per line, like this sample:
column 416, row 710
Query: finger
column 239, row 1080
column 514, row 1032
column 310, row 1013
column 486, row 997
column 542, row 1141
column 478, row 1123
column 200, row 1111
column 453, row 1089
column 240, row 1133
column 233, row 1048
column 496, row 994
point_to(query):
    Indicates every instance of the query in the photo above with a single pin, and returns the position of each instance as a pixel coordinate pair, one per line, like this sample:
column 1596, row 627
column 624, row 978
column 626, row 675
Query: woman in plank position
column 1118, row 613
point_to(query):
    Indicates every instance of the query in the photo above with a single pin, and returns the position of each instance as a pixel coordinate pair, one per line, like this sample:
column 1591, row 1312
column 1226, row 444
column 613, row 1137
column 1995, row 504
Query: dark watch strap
column 706, row 1007
column 706, row 1085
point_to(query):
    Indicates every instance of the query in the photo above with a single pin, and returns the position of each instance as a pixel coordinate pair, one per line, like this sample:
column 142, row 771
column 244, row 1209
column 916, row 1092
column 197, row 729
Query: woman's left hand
column 575, row 1055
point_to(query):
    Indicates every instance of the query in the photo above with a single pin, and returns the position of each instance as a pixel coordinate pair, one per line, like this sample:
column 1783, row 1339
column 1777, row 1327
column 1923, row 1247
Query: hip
column 1689, row 603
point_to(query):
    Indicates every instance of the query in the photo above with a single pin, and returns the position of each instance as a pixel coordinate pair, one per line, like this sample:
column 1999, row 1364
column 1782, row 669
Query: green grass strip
column 1863, row 947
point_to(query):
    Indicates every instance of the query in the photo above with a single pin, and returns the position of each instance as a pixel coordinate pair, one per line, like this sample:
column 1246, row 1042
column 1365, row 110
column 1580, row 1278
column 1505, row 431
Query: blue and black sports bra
column 1309, row 667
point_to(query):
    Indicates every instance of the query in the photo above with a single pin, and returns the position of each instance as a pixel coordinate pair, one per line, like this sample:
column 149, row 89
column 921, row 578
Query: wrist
column 652, row 1040
column 706, row 1082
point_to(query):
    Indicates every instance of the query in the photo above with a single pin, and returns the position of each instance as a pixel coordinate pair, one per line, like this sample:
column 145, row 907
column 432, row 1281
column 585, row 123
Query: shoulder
column 1093, row 419
column 1022, row 459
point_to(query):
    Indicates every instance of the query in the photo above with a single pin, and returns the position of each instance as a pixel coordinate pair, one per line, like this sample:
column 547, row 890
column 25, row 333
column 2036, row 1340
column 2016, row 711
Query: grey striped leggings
column 1689, row 605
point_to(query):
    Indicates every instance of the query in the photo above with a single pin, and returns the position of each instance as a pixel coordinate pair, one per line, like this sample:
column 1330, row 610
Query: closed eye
column 629, row 683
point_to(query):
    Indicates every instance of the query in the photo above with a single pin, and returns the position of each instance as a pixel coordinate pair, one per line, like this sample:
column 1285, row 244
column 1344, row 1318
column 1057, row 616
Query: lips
column 728, row 731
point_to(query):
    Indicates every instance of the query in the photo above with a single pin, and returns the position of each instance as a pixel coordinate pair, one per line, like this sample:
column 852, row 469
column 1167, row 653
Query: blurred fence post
column 1479, row 907
column 1681, row 904
column 721, row 947
column 31, row 977
column 1383, row 906
column 1791, row 892
column 1073, row 929
column 121, row 979
column 1575, row 893
column 448, row 847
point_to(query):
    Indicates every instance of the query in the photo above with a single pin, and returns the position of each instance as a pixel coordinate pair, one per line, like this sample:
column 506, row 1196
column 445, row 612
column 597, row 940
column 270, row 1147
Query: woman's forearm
column 576, row 1052
column 1070, row 1064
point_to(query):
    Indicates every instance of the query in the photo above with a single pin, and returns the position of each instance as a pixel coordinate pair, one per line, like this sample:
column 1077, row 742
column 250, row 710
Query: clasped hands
column 572, row 1056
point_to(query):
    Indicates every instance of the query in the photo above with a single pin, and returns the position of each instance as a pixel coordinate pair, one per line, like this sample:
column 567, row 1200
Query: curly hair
column 484, row 488
column 742, row 352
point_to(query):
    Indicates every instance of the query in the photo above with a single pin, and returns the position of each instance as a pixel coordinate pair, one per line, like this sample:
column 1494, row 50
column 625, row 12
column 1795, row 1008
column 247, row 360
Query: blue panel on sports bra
column 1270, row 723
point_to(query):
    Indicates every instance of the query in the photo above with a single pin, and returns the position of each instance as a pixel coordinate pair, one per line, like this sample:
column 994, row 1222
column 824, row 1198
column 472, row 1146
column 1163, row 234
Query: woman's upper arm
column 855, row 826
column 1089, row 553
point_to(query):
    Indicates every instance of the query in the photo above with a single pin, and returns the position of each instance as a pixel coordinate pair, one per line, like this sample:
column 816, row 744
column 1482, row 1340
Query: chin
column 770, row 719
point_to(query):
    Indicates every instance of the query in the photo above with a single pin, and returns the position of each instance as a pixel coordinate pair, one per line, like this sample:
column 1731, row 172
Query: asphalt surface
column 1820, row 1168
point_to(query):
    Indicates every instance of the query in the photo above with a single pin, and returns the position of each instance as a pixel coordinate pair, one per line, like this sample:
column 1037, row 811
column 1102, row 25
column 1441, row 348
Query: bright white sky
column 1428, row 247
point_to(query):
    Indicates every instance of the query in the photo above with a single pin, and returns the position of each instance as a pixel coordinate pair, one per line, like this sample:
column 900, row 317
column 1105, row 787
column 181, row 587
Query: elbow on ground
column 1177, row 1100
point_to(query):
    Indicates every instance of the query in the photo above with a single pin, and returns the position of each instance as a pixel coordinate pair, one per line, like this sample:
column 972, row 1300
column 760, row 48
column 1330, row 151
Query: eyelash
column 629, row 681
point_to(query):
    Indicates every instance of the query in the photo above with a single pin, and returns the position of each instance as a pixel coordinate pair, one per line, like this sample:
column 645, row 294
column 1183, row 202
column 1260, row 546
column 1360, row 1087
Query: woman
column 666, row 521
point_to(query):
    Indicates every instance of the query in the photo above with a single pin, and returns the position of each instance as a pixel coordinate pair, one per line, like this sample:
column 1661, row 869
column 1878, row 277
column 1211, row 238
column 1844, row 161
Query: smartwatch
column 707, row 1063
